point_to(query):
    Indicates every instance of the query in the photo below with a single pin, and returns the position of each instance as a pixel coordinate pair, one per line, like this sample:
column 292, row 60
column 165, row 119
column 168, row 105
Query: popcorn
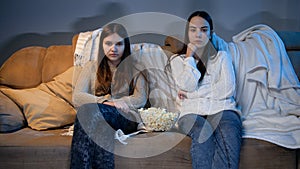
column 158, row 119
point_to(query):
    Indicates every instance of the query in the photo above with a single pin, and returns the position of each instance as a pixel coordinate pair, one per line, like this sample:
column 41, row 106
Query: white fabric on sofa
column 268, row 88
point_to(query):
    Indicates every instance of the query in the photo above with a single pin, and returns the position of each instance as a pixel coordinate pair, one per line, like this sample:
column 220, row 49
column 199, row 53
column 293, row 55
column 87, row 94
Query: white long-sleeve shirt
column 214, row 93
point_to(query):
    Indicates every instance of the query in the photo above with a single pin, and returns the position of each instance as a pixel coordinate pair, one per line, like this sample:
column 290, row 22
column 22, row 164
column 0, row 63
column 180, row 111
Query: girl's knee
column 231, row 119
column 229, row 116
column 192, row 123
column 83, row 109
column 190, row 120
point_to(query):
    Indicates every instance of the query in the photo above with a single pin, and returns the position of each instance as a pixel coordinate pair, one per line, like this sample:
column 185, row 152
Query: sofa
column 32, row 132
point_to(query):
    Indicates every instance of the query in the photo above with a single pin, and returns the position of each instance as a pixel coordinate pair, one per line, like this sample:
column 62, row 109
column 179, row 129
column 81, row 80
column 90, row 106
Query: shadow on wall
column 111, row 11
column 267, row 18
column 108, row 12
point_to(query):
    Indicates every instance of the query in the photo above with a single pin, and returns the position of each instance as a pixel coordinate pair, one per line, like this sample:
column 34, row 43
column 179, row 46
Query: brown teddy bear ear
column 172, row 45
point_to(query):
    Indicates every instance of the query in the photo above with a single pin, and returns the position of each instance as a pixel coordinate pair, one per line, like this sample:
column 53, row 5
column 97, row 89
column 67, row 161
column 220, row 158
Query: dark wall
column 48, row 22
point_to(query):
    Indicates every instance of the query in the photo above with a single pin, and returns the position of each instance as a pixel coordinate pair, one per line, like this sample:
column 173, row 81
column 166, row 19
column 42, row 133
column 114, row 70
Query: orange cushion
column 57, row 60
column 23, row 68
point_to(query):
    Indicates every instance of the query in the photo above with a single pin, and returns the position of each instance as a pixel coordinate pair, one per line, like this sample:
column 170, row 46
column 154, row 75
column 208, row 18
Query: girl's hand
column 191, row 49
column 109, row 103
column 182, row 95
column 121, row 105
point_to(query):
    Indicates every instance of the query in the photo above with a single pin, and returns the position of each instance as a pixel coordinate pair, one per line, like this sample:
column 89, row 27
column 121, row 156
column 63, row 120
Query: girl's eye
column 108, row 43
column 119, row 43
column 192, row 30
column 204, row 29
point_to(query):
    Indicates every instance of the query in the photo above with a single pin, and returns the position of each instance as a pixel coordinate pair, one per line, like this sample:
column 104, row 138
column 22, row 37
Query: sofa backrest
column 57, row 60
column 292, row 45
column 31, row 66
column 23, row 69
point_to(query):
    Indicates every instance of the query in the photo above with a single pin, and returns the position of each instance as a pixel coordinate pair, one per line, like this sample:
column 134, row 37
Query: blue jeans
column 216, row 139
column 93, row 138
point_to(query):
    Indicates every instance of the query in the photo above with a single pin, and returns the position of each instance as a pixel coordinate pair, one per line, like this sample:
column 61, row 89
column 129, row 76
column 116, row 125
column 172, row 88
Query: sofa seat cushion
column 28, row 148
column 49, row 149
column 261, row 154
column 154, row 150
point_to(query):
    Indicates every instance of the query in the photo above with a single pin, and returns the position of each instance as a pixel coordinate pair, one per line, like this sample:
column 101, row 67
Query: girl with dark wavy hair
column 205, row 81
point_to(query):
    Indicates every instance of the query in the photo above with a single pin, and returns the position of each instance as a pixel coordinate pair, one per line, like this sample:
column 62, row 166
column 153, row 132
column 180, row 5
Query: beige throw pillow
column 42, row 110
column 61, row 85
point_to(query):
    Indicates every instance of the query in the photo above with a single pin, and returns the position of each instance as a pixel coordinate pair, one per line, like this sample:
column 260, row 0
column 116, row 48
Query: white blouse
column 214, row 93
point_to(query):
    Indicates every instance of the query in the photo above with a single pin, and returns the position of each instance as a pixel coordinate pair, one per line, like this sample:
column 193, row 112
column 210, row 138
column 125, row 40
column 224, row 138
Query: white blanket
column 87, row 46
column 268, row 90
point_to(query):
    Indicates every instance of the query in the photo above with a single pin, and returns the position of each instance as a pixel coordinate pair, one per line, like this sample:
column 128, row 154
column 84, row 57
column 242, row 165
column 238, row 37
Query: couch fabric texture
column 31, row 130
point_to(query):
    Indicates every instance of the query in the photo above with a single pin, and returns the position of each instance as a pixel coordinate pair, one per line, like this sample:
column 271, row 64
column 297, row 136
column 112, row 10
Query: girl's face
column 199, row 31
column 113, row 47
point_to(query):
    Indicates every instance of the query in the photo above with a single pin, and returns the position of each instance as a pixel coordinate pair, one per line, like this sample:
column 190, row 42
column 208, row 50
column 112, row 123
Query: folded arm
column 222, row 85
column 185, row 73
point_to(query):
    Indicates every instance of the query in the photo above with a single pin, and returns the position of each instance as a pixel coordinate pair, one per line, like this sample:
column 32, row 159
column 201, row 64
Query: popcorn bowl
column 158, row 119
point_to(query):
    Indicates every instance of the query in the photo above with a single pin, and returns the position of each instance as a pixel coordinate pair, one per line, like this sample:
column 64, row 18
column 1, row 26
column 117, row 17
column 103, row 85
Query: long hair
column 104, row 75
column 200, row 65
